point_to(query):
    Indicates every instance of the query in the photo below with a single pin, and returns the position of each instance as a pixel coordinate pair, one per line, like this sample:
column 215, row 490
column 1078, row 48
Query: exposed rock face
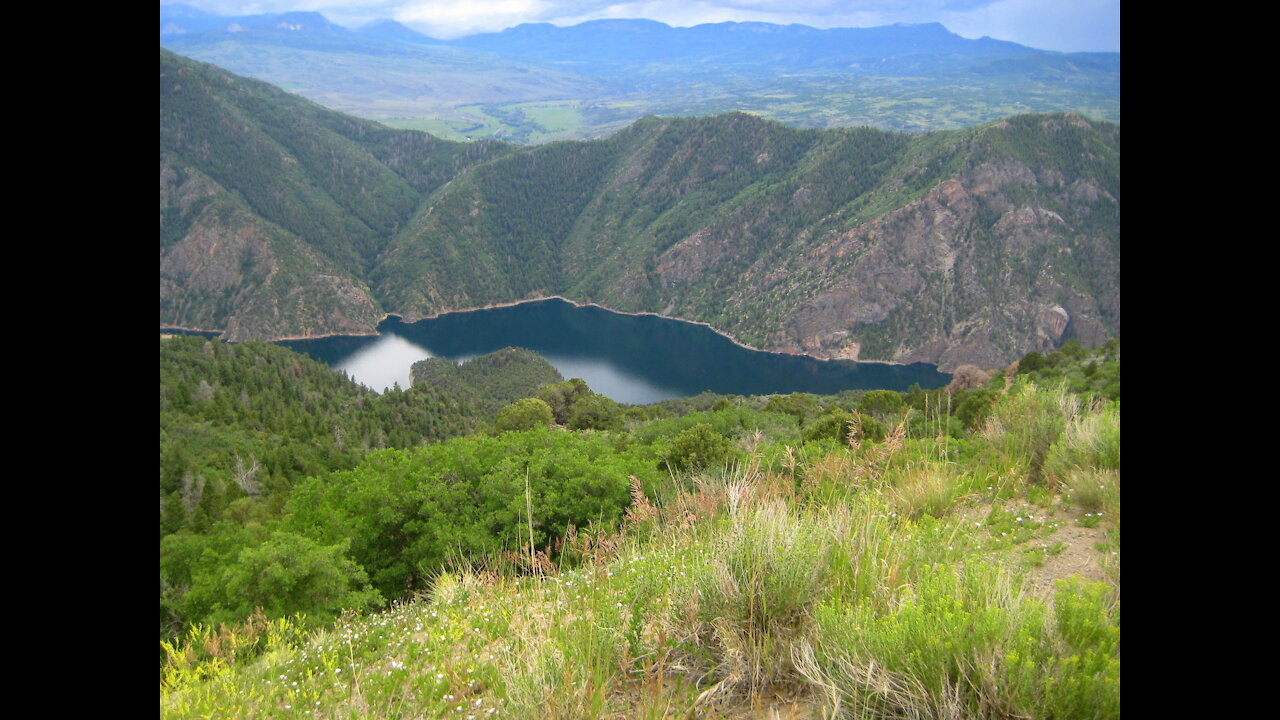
column 224, row 268
column 954, row 289
column 973, row 246
column 1051, row 323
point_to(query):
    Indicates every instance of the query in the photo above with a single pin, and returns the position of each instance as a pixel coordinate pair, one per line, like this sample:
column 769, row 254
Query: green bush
column 408, row 511
column 696, row 448
column 973, row 406
column 595, row 412
column 1090, row 441
column 836, row 426
column 289, row 575
column 800, row 406
column 881, row 403
column 526, row 414
column 561, row 397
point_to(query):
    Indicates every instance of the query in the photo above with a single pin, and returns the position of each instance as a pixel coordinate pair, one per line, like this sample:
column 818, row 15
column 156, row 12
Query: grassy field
column 955, row 576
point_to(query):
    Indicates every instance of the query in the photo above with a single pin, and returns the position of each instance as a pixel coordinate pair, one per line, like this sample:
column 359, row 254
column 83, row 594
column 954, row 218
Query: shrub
column 881, row 403
column 1026, row 423
column 800, row 406
column 525, row 414
column 1030, row 363
column 561, row 397
column 289, row 575
column 974, row 407
column 595, row 412
column 696, row 448
column 836, row 426
column 833, row 426
column 757, row 594
column 1090, row 441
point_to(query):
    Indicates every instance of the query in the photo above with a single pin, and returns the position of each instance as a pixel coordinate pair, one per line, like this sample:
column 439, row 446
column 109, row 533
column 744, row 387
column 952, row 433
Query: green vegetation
column 242, row 424
column 708, row 557
column 280, row 218
column 524, row 414
column 491, row 381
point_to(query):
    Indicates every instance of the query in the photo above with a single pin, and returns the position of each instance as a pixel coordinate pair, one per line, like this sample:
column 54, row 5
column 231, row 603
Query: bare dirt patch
column 1078, row 557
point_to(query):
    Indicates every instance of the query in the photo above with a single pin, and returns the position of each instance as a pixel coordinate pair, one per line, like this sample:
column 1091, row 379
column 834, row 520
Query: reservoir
column 630, row 358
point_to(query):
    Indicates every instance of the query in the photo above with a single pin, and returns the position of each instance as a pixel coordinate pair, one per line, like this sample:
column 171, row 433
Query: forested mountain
column 273, row 209
column 971, row 246
column 250, row 419
column 492, row 381
column 242, row 424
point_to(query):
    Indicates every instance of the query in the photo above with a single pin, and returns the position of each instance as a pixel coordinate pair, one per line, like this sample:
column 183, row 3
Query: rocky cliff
column 280, row 218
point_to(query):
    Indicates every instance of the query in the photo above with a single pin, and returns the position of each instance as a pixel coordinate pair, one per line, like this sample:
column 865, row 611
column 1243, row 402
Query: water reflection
column 632, row 359
column 383, row 363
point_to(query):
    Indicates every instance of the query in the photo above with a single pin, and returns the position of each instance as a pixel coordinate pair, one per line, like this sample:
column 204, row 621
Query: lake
column 630, row 358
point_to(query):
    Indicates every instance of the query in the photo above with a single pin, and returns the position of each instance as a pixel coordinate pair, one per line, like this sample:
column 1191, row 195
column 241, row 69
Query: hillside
column 950, row 553
column 272, row 209
column 280, row 218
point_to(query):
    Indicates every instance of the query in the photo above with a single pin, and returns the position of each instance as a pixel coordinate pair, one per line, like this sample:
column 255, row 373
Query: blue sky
column 1063, row 25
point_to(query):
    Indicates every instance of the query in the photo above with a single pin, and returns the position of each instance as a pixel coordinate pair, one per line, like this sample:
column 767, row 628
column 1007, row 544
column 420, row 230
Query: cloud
column 1046, row 24
column 1080, row 25
column 450, row 18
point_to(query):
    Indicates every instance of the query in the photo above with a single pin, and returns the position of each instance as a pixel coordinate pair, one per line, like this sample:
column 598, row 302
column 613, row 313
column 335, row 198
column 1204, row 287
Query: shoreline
column 640, row 313
column 321, row 336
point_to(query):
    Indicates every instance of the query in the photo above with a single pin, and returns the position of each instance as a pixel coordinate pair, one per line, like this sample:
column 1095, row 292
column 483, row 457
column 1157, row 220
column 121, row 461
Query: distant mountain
column 280, row 218
column 538, row 82
column 604, row 46
column 300, row 30
column 394, row 31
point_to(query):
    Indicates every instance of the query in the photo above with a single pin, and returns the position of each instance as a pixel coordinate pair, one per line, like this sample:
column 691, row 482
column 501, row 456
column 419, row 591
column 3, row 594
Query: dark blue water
column 632, row 359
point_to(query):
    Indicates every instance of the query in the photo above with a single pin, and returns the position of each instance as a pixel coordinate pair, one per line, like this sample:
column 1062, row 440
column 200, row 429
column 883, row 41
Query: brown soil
column 1079, row 557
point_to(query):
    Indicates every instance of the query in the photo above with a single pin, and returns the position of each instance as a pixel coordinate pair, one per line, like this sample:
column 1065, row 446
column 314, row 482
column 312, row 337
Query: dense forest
column 293, row 498
column 280, row 218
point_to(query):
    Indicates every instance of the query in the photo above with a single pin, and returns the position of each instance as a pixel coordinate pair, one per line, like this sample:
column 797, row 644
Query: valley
column 967, row 246
column 537, row 82
column 473, row 422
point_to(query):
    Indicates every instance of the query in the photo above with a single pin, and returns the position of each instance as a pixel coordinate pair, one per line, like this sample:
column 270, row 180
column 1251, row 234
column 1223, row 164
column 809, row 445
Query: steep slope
column 272, row 208
column 224, row 267
column 973, row 246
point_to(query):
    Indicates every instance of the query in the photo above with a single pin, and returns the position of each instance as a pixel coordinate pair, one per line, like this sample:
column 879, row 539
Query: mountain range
column 537, row 82
column 280, row 218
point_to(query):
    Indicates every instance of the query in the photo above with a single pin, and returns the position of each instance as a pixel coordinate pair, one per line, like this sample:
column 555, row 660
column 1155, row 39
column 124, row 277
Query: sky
column 1062, row 25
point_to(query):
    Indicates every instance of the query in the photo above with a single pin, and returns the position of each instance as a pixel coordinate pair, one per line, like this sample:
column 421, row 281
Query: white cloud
column 451, row 18
column 1080, row 25
column 1047, row 24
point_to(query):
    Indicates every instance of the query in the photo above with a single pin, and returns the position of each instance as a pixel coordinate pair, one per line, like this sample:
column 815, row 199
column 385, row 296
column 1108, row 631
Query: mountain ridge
column 538, row 82
column 972, row 246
